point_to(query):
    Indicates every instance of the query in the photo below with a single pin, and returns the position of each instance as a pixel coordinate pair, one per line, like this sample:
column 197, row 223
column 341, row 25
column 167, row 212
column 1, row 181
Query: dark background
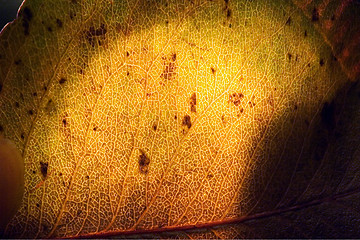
column 8, row 11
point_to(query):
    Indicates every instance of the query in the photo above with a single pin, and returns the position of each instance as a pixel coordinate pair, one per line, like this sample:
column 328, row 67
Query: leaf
column 149, row 117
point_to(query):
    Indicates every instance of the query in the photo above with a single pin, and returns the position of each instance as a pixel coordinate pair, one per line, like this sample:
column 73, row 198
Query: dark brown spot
column 1, row 128
column 33, row 171
column 173, row 57
column 213, row 70
column 288, row 21
column 31, row 112
column 241, row 110
column 321, row 62
column 333, row 17
column 308, row 65
column 37, row 205
column 27, row 17
column 315, row 15
column 289, row 56
column 328, row 115
column 305, row 33
column 94, row 35
column 170, row 67
column 187, row 121
column 295, row 107
column 210, row 175
column 49, row 29
column 228, row 13
column 60, row 174
column 127, row 54
column 175, row 117
column 193, row 102
column 59, row 23
column 22, row 136
column 44, row 169
column 87, row 177
column 251, row 104
column 155, row 127
column 17, row 62
column 17, row 104
column 144, row 162
column 1, row 87
column 95, row 128
column 64, row 122
column 34, row 94
column 236, row 98
column 62, row 80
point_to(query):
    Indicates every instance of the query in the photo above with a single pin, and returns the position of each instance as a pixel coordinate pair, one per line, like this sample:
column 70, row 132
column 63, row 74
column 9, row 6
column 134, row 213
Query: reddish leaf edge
column 229, row 221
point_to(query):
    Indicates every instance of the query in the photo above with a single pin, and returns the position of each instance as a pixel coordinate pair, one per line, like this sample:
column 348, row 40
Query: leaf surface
column 147, row 116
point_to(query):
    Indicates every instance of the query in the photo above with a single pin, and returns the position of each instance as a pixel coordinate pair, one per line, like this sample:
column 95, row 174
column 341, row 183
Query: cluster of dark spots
column 62, row 80
column 144, row 162
column 193, row 103
column 17, row 62
column 169, row 67
column 289, row 56
column 212, row 70
column 288, row 21
column 321, row 62
column 252, row 104
column 22, row 136
column 31, row 112
column 27, row 17
column 187, row 121
column 59, row 23
column 315, row 15
column 328, row 115
column 44, row 168
column 94, row 36
column 210, row 175
column 236, row 98
column 305, row 33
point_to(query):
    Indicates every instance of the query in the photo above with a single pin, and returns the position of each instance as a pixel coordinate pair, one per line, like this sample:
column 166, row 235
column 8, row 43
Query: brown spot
column 144, row 162
column 1, row 128
column 64, row 122
column 235, row 98
column 193, row 102
column 210, row 175
column 251, row 104
column 59, row 23
column 33, row 171
column 1, row 87
column 87, row 177
column 155, row 127
column 308, row 65
column 49, row 29
column 62, row 80
column 34, row 94
column 22, row 136
column 315, row 15
column 175, row 117
column 321, row 62
column 37, row 205
column 170, row 67
column 288, row 21
column 305, row 33
column 187, row 121
column 60, row 174
column 27, row 17
column 95, row 128
column 17, row 62
column 44, row 169
column 241, row 110
column 127, row 54
column 328, row 115
column 17, row 104
column 333, row 17
column 213, row 70
column 31, row 112
column 295, row 107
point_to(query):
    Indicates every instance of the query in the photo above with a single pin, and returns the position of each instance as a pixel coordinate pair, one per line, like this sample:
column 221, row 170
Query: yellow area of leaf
column 99, row 98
